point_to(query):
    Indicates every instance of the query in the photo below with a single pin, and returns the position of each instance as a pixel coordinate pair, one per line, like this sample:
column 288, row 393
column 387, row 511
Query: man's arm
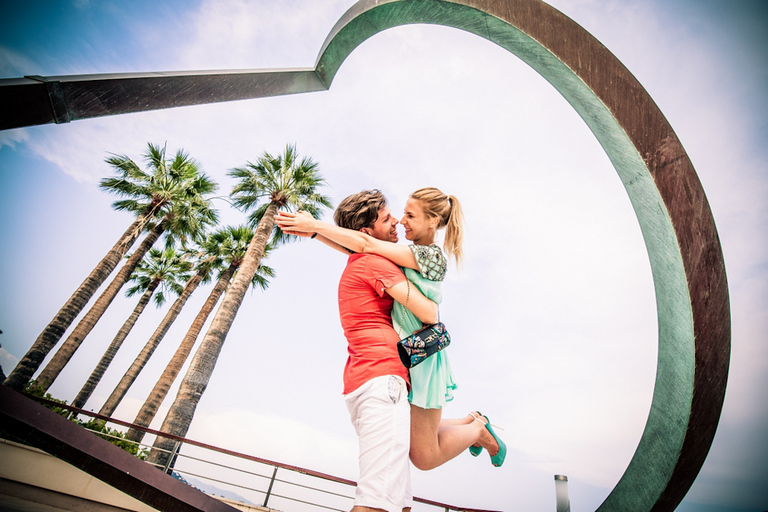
column 424, row 309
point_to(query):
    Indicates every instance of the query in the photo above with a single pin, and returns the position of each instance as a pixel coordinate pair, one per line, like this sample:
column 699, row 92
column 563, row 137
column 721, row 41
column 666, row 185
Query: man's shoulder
column 369, row 259
column 380, row 261
column 370, row 263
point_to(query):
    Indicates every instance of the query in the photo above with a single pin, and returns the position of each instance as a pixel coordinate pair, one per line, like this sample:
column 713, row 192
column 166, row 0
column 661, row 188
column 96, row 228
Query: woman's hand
column 305, row 225
column 300, row 223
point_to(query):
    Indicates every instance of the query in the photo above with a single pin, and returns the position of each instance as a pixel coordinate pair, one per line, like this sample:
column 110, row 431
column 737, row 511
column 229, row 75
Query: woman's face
column 418, row 225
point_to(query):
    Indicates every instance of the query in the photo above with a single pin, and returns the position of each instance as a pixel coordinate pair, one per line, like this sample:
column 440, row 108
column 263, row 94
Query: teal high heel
column 498, row 459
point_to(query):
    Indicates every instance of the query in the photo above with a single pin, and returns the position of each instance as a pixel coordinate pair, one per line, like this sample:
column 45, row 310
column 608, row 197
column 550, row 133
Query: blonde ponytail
column 447, row 210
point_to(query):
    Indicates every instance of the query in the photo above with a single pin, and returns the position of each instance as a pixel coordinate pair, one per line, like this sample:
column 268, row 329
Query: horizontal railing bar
column 307, row 502
column 102, row 434
column 190, row 457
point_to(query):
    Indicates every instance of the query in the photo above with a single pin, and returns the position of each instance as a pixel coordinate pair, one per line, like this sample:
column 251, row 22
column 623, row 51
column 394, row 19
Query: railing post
column 269, row 489
column 172, row 455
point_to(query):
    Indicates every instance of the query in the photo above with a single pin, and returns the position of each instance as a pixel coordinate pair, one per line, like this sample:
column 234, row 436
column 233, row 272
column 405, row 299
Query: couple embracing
column 396, row 412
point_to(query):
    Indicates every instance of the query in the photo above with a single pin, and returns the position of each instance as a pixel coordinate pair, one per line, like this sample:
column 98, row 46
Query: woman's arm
column 321, row 238
column 424, row 309
column 355, row 241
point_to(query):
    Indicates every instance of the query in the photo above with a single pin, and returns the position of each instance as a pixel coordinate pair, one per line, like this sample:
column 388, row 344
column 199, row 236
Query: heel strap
column 484, row 423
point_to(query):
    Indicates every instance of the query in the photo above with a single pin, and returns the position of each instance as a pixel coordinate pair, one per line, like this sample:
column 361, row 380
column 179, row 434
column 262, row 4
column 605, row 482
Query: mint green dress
column 432, row 381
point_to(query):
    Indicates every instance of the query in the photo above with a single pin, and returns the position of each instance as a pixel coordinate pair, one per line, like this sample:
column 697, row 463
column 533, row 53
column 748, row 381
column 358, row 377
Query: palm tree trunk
column 199, row 372
column 141, row 360
column 53, row 332
column 106, row 359
column 157, row 395
column 67, row 350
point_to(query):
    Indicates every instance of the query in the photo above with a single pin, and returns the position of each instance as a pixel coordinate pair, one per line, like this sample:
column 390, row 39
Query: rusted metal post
column 171, row 457
column 269, row 490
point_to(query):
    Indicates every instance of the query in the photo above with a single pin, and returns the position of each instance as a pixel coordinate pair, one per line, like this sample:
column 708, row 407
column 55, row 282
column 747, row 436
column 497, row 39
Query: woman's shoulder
column 431, row 261
column 433, row 250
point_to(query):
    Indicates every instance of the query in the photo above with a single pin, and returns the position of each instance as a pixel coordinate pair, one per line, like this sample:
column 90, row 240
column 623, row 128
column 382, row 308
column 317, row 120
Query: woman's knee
column 423, row 461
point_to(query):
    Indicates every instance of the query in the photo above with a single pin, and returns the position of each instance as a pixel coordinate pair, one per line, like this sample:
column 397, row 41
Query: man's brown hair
column 360, row 210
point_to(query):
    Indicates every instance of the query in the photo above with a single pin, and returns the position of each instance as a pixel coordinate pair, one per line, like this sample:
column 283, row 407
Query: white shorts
column 381, row 416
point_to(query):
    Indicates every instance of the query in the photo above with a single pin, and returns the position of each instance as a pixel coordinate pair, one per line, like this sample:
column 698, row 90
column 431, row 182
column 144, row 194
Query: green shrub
column 114, row 436
column 35, row 390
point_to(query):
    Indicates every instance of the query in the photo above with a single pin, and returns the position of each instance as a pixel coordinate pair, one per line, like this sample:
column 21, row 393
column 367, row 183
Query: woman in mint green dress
column 434, row 440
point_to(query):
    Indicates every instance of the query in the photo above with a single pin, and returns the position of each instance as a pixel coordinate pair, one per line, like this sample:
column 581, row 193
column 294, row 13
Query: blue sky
column 554, row 251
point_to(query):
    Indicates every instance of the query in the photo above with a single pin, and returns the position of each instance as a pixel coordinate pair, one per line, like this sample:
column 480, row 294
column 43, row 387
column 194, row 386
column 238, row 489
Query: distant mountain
column 211, row 489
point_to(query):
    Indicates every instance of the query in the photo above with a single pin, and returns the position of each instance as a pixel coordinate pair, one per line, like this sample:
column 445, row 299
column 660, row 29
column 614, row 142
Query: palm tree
column 186, row 214
column 286, row 182
column 147, row 196
column 225, row 246
column 162, row 329
column 159, row 269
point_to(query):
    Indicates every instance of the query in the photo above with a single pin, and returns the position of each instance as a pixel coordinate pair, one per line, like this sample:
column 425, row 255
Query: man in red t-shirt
column 375, row 381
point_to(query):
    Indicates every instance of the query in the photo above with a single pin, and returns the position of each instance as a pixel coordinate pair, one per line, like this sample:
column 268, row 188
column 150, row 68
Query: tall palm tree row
column 186, row 213
column 224, row 246
column 160, row 269
column 148, row 195
column 286, row 182
column 138, row 364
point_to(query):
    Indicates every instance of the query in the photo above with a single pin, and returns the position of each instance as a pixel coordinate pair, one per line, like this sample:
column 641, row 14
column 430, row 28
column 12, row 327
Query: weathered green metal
column 674, row 215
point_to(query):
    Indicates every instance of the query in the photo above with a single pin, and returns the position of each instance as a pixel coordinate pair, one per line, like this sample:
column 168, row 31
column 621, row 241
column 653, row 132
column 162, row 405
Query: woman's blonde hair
column 447, row 210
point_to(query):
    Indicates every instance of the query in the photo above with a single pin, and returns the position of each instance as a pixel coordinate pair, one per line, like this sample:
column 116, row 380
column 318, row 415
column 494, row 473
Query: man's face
column 385, row 227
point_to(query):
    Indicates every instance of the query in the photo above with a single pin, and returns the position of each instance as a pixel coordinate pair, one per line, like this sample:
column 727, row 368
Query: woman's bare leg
column 435, row 441
column 469, row 418
column 446, row 422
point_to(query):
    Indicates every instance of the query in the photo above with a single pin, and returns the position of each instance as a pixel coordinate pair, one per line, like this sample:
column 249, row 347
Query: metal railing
column 236, row 471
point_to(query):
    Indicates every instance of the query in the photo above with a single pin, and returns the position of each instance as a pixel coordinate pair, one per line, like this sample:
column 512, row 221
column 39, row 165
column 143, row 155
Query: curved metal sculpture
column 675, row 218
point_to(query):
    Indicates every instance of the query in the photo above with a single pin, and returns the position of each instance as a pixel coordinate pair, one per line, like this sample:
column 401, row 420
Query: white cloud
column 238, row 34
column 12, row 138
column 14, row 64
column 7, row 361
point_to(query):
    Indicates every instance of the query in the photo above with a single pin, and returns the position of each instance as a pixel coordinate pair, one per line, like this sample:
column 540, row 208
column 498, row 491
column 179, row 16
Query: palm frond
column 166, row 269
column 155, row 157
column 176, row 184
column 158, row 298
column 285, row 179
column 261, row 277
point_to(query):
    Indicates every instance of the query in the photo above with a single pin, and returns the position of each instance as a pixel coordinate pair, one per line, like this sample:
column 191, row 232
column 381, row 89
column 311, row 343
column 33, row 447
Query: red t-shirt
column 366, row 317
